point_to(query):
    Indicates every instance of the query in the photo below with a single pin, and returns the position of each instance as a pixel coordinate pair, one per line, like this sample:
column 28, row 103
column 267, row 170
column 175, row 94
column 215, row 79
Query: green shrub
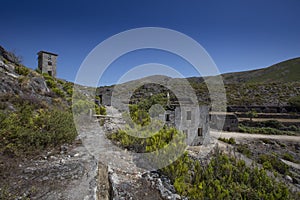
column 295, row 101
column 82, row 106
column 47, row 76
column 59, row 92
column 244, row 149
column 263, row 130
column 267, row 165
column 5, row 61
column 158, row 140
column 276, row 164
column 252, row 114
column 289, row 157
column 51, row 83
column 100, row 110
column 229, row 141
column 38, row 70
column 70, row 92
column 60, row 81
column 223, row 178
column 27, row 131
column 273, row 124
column 21, row 70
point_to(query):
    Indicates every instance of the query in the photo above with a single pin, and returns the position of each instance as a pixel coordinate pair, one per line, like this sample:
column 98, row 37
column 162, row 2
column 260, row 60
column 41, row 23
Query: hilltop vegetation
column 283, row 72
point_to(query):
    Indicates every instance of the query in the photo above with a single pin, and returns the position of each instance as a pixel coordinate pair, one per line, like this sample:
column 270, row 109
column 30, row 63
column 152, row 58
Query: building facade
column 192, row 121
column 47, row 62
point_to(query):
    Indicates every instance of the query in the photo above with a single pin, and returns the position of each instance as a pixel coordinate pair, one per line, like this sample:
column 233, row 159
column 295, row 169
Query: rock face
column 68, row 175
column 16, row 84
column 14, row 87
column 9, row 55
column 163, row 184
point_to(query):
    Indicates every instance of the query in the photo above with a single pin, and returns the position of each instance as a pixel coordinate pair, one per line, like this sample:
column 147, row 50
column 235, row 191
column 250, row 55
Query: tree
column 295, row 101
column 251, row 114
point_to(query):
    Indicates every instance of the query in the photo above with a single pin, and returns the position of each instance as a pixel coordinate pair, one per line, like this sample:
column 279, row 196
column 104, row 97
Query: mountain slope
column 273, row 85
column 286, row 71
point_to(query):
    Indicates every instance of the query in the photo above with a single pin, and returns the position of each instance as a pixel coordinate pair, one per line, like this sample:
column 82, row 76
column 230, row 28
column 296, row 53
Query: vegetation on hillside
column 28, row 130
column 278, row 93
column 224, row 177
column 269, row 127
column 264, row 130
column 229, row 141
column 295, row 101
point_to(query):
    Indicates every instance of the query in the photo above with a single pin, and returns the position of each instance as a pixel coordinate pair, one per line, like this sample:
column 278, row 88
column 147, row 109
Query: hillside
column 286, row 71
column 283, row 72
column 273, row 85
column 21, row 84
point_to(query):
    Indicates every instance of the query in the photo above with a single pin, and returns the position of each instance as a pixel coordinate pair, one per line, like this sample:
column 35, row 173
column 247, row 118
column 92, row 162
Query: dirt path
column 237, row 135
column 267, row 119
column 126, row 181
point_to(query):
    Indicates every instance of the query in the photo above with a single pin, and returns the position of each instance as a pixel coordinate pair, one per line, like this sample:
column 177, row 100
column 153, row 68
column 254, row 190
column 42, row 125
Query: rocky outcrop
column 69, row 174
column 9, row 56
column 30, row 87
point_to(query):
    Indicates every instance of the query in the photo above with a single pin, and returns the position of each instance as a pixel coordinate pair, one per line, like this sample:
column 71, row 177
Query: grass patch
column 229, row 141
column 263, row 130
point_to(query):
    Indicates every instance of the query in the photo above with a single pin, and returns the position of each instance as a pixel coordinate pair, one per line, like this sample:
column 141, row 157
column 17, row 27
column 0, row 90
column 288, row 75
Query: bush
column 100, row 110
column 289, row 157
column 229, row 141
column 38, row 70
column 21, row 70
column 295, row 101
column 59, row 92
column 276, row 164
column 47, row 76
column 26, row 131
column 244, row 149
column 158, row 140
column 223, row 178
column 263, row 130
column 70, row 92
column 82, row 107
column 51, row 83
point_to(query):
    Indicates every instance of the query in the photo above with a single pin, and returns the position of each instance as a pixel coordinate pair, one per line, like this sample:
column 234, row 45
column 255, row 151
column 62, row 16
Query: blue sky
column 238, row 35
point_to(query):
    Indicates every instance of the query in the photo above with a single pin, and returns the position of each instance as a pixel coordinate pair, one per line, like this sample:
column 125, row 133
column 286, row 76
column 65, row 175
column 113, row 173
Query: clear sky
column 238, row 35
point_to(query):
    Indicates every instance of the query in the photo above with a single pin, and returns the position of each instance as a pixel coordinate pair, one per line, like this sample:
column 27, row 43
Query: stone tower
column 47, row 62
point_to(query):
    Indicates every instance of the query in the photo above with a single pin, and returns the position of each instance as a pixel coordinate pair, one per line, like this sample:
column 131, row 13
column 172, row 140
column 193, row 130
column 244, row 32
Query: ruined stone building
column 47, row 62
column 191, row 120
column 105, row 95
